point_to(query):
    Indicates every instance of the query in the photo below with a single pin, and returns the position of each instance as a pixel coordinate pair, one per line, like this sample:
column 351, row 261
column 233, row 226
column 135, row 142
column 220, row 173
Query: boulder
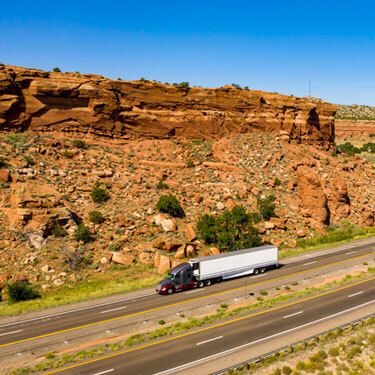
column 338, row 200
column 123, row 258
column 214, row 251
column 312, row 197
column 146, row 257
column 164, row 264
column 190, row 233
column 190, row 251
column 4, row 175
column 180, row 253
column 168, row 225
column 159, row 243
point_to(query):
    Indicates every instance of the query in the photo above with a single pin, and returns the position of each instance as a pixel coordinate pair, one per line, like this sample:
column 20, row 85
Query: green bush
column 182, row 84
column 348, row 149
column 162, row 185
column 277, row 182
column 29, row 160
column 190, row 163
column 368, row 147
column 287, row 370
column 96, row 217
column 78, row 143
column 231, row 230
column 82, row 233
column 334, row 352
column 99, row 194
column 58, row 230
column 56, row 70
column 169, row 204
column 15, row 139
column 21, row 291
column 266, row 206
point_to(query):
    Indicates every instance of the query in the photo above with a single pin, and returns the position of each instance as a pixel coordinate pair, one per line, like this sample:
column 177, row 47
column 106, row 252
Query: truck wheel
column 256, row 271
column 200, row 284
column 262, row 270
column 208, row 282
column 170, row 291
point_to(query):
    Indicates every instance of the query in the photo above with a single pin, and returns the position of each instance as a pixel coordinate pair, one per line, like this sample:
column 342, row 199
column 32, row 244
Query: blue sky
column 267, row 45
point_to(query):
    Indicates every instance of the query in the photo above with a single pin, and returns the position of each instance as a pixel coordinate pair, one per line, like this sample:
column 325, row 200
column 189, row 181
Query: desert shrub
column 73, row 258
column 182, row 84
column 287, row 370
column 99, row 194
column 16, row 139
column 334, row 352
column 82, row 233
column 162, row 185
column 277, row 182
column 114, row 246
column 58, row 230
column 368, row 147
column 231, row 230
column 266, row 206
column 169, row 204
column 190, row 163
column 21, row 291
column 161, row 322
column 277, row 371
column 348, row 149
column 96, row 217
column 29, row 160
column 78, row 143
column 56, row 70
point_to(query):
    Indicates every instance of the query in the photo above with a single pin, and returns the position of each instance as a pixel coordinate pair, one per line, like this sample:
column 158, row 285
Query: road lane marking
column 49, row 334
column 10, row 333
column 290, row 315
column 104, row 372
column 195, row 291
column 222, row 324
column 75, row 310
column 115, row 309
column 307, row 264
column 205, row 342
column 350, row 252
column 356, row 294
column 225, row 352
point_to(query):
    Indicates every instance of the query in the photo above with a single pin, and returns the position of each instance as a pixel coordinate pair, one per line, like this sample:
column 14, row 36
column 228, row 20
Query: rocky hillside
column 196, row 144
column 89, row 104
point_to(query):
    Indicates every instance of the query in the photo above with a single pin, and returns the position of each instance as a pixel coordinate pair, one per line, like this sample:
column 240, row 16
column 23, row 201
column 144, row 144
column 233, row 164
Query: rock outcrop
column 89, row 104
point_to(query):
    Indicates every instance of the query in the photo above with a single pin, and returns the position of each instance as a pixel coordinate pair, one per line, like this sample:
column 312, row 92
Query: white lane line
column 195, row 291
column 296, row 313
column 73, row 311
column 350, row 252
column 10, row 333
column 355, row 294
column 104, row 372
column 307, row 264
column 205, row 342
column 206, row 359
column 117, row 308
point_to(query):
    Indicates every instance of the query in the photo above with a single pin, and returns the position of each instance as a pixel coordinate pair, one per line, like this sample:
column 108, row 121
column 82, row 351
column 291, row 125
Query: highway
column 183, row 351
column 68, row 321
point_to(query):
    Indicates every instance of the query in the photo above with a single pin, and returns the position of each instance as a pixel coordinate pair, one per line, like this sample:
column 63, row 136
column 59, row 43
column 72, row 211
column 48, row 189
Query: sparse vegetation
column 169, row 204
column 21, row 291
column 356, row 112
column 79, row 143
column 162, row 185
column 99, row 194
column 231, row 230
column 29, row 160
column 266, row 206
column 183, row 85
column 15, row 139
column 58, row 230
column 96, row 217
column 82, row 233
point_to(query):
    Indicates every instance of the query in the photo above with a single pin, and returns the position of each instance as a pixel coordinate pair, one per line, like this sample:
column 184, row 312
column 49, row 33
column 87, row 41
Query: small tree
column 56, row 70
column 96, row 217
column 231, row 230
column 169, row 204
column 98, row 194
column 266, row 206
column 82, row 233
column 21, row 291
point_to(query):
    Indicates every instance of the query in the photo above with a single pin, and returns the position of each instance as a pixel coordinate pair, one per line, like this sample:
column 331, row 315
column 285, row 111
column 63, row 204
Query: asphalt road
column 182, row 351
column 21, row 331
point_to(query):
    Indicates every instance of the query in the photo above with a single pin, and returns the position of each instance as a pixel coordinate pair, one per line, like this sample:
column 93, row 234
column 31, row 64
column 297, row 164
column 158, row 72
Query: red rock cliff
column 43, row 101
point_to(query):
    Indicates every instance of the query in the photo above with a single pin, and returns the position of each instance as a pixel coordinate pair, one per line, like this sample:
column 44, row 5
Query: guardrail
column 257, row 359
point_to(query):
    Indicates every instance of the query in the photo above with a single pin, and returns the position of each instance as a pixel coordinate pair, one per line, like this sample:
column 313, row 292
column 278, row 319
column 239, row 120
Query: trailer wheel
column 262, row 270
column 208, row 282
column 200, row 284
column 256, row 271
column 170, row 291
column 219, row 279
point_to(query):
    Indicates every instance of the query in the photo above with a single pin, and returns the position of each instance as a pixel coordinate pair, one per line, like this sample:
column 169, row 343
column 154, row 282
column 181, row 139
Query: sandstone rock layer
column 36, row 100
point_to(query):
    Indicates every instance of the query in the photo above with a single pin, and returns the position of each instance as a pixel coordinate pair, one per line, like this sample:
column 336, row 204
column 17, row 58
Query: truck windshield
column 169, row 276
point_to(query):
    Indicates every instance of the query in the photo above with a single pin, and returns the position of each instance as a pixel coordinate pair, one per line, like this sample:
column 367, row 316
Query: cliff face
column 43, row 101
column 361, row 129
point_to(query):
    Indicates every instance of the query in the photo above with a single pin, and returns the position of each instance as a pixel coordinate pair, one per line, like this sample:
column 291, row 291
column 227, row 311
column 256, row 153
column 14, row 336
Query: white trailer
column 236, row 263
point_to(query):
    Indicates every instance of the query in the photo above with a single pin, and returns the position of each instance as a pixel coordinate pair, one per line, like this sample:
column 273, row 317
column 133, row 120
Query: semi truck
column 204, row 271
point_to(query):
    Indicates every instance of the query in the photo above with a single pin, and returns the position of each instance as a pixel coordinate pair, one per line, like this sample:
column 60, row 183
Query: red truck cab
column 179, row 278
